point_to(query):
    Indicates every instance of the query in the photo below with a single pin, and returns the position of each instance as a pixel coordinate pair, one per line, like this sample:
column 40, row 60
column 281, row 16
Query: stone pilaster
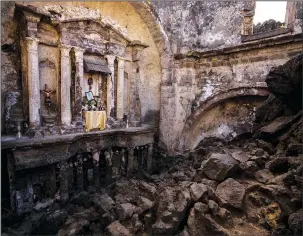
column 96, row 159
column 109, row 170
column 123, row 162
column 130, row 164
column 120, row 89
column 63, row 177
column 77, row 112
column 135, row 106
column 30, row 193
column 79, row 167
column 33, row 82
column 110, row 93
column 12, row 181
column 53, row 180
column 149, row 161
column 66, row 114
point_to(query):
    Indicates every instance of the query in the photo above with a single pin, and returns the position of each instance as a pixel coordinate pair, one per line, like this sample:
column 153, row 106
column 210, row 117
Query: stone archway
column 188, row 139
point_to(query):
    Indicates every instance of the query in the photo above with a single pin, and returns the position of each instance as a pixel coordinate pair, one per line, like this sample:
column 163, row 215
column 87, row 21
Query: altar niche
column 48, row 80
column 95, row 81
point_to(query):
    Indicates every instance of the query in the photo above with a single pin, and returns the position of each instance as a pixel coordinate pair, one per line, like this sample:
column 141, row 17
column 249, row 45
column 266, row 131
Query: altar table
column 94, row 120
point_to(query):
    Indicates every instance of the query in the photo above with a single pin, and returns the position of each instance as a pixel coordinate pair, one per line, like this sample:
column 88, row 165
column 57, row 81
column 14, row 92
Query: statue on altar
column 47, row 93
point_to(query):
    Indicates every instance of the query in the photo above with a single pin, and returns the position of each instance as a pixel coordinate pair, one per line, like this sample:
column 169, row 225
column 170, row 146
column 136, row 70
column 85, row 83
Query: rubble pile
column 244, row 187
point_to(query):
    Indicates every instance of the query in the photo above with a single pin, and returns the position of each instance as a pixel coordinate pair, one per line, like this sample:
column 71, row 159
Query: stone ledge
column 258, row 44
column 253, row 37
column 12, row 142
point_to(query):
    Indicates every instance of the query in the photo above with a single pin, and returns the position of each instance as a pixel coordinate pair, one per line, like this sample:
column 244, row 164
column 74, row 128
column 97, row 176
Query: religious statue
column 90, row 83
column 47, row 93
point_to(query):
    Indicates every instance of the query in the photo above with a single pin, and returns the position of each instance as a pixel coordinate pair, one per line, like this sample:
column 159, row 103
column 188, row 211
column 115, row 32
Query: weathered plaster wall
column 150, row 69
column 197, row 81
column 200, row 25
column 120, row 14
column 226, row 120
column 49, row 74
column 11, row 101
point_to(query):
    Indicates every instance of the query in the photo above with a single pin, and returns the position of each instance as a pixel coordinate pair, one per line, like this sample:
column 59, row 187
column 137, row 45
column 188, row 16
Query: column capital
column 110, row 59
column 78, row 52
column 31, row 41
column 65, row 49
column 65, row 46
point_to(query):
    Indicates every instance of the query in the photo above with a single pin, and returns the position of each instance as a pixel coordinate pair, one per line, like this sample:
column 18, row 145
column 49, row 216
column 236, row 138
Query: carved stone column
column 120, row 89
column 53, row 180
column 80, row 181
column 135, row 106
column 123, row 163
column 77, row 112
column 110, row 93
column 96, row 159
column 66, row 114
column 63, row 177
column 109, row 171
column 130, row 165
column 33, row 82
column 149, row 161
column 12, row 181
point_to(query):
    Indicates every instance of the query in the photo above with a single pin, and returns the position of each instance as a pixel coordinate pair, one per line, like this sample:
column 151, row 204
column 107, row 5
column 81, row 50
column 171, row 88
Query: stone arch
column 153, row 23
column 210, row 103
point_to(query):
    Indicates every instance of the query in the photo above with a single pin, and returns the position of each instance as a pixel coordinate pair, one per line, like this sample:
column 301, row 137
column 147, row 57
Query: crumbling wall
column 11, row 95
column 202, row 36
column 123, row 17
column 197, row 80
column 200, row 25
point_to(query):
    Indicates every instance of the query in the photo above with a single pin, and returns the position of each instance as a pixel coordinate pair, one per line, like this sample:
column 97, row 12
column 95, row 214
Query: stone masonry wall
column 196, row 81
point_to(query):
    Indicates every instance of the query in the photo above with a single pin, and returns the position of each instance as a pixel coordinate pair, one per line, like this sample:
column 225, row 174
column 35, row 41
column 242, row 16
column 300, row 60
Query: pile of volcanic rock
column 279, row 119
column 219, row 189
column 244, row 187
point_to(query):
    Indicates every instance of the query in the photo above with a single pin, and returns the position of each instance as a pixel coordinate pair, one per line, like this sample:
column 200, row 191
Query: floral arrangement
column 89, row 105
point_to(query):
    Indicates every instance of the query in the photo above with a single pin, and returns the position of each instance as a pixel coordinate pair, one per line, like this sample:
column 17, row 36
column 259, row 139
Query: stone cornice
column 257, row 44
column 70, row 138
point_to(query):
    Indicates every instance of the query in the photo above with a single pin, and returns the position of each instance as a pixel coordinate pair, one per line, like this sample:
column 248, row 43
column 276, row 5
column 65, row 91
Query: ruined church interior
column 151, row 118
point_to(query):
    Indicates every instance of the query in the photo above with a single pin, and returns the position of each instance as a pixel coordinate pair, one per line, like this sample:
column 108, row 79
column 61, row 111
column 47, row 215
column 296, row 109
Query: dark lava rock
column 295, row 222
column 285, row 82
column 219, row 166
column 231, row 192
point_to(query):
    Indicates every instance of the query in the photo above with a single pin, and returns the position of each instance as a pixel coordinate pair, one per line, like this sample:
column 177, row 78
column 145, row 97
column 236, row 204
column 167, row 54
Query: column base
column 135, row 123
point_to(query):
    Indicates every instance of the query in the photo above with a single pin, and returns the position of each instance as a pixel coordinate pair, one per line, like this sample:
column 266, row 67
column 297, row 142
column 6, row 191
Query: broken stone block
column 104, row 202
column 295, row 222
column 74, row 228
column 278, row 165
column 197, row 191
column 125, row 211
column 219, row 166
column 263, row 175
column 144, row 204
column 149, row 190
column 116, row 229
column 231, row 192
column 199, row 223
column 249, row 167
